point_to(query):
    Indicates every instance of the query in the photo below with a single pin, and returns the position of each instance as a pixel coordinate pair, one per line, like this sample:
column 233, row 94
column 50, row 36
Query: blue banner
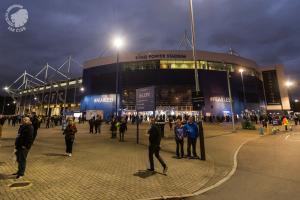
column 105, row 103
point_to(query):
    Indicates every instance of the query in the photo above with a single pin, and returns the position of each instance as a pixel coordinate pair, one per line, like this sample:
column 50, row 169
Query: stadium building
column 254, row 88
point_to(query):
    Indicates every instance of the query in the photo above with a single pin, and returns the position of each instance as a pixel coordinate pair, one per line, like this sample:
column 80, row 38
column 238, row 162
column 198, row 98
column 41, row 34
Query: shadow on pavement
column 7, row 176
column 55, row 154
column 144, row 173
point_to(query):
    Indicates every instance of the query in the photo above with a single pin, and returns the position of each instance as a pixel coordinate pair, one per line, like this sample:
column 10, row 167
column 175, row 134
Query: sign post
column 198, row 103
column 145, row 101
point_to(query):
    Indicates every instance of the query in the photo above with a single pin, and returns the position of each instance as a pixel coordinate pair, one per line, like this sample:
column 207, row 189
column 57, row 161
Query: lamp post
column 231, row 100
column 288, row 84
column 4, row 100
column 118, row 43
column 244, row 94
column 197, row 87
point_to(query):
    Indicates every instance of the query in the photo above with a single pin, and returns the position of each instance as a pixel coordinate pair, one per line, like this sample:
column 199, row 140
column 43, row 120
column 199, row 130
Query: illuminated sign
column 160, row 56
column 104, row 99
column 220, row 99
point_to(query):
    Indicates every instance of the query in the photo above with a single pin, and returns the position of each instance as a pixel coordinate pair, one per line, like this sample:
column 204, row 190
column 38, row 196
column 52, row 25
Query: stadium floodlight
column 118, row 42
column 289, row 83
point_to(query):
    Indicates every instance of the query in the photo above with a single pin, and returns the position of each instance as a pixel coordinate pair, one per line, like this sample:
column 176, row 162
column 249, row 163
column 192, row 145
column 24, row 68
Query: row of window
column 180, row 64
column 56, row 85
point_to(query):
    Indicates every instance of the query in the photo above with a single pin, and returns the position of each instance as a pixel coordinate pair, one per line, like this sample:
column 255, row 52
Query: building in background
column 172, row 73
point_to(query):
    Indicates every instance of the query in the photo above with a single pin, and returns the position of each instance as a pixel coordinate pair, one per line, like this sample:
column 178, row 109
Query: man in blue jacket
column 191, row 131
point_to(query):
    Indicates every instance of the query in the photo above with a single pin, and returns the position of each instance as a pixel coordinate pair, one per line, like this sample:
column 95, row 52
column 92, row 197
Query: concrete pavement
column 268, row 168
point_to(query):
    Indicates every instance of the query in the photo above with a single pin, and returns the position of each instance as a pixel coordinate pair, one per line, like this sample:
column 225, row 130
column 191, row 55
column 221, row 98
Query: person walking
column 98, row 123
column 122, row 129
column 69, row 133
column 92, row 124
column 285, row 122
column 23, row 144
column 179, row 138
column 2, row 121
column 35, row 123
column 154, row 146
column 113, row 128
column 191, row 130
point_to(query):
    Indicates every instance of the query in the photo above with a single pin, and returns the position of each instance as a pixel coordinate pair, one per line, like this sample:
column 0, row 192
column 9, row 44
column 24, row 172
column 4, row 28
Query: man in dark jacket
column 154, row 146
column 35, row 123
column 2, row 121
column 23, row 144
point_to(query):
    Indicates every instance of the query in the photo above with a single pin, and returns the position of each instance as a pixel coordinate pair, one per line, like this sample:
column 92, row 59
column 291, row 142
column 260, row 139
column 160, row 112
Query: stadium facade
column 256, row 89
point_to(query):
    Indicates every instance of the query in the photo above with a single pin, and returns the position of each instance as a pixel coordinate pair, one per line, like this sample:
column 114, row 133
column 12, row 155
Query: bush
column 248, row 125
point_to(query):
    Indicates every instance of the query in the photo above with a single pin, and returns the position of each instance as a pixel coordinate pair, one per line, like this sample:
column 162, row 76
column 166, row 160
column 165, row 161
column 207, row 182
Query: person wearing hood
column 23, row 144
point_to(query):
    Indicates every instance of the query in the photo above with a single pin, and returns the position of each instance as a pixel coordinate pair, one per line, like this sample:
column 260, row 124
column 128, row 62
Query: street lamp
column 288, row 84
column 118, row 43
column 241, row 70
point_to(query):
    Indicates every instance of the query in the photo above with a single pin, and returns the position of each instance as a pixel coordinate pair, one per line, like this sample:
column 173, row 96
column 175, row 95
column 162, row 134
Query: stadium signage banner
column 145, row 99
column 160, row 56
column 104, row 103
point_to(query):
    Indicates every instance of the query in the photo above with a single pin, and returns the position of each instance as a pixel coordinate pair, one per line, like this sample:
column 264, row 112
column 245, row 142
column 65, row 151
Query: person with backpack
column 69, row 133
column 154, row 146
column 179, row 138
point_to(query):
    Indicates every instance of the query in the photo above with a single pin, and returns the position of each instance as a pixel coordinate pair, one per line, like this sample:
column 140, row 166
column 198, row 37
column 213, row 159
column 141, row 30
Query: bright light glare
column 296, row 100
column 241, row 70
column 289, row 83
column 5, row 88
column 82, row 89
column 118, row 42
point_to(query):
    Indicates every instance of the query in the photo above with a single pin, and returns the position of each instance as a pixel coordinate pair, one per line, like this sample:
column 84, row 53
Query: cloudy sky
column 264, row 30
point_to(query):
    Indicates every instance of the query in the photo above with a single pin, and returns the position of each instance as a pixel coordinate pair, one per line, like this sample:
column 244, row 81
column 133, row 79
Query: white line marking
column 220, row 182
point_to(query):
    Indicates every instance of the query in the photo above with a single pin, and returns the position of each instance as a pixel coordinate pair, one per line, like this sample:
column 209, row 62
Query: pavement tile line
column 220, row 182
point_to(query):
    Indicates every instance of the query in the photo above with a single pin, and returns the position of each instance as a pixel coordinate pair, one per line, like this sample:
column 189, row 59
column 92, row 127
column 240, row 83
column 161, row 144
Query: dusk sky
column 266, row 31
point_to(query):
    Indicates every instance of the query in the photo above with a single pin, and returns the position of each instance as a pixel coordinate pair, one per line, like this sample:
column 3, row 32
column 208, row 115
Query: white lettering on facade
column 103, row 100
column 159, row 56
column 220, row 99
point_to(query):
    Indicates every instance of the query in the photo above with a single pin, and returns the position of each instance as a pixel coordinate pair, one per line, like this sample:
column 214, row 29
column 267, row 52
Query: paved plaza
column 100, row 168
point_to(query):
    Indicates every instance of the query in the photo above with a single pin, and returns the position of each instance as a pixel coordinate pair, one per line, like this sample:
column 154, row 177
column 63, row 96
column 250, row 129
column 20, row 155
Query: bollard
column 201, row 138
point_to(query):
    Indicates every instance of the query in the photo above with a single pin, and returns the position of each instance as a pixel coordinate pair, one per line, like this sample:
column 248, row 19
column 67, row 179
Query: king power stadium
column 253, row 88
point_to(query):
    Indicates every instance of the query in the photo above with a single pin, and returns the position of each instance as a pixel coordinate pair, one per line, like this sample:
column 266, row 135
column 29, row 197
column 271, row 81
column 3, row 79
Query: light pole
column 194, row 45
column 244, row 94
column 288, row 84
column 197, row 87
column 231, row 100
column 118, row 43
